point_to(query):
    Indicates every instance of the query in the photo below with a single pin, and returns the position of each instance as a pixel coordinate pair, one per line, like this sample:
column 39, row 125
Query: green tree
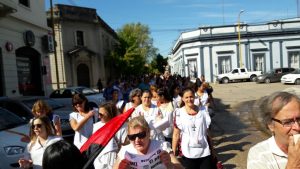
column 135, row 49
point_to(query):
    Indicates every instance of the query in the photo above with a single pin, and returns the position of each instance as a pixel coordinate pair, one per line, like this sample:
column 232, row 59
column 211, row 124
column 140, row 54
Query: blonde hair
column 46, row 122
column 138, row 121
column 39, row 106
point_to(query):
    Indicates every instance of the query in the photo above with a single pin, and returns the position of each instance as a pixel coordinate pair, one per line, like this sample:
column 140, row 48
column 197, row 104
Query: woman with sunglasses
column 106, row 158
column 190, row 125
column 151, row 114
column 144, row 152
column 81, row 120
column 41, row 136
column 41, row 108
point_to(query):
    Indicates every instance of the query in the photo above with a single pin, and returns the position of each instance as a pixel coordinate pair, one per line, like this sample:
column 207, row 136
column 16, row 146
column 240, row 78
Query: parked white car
column 13, row 131
column 238, row 74
column 65, row 95
column 291, row 78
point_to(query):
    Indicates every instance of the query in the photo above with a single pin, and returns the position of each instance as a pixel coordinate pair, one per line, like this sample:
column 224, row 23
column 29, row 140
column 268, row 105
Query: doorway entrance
column 83, row 75
column 28, row 62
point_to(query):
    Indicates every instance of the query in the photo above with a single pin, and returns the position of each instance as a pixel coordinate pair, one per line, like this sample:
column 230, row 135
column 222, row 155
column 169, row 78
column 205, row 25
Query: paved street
column 234, row 128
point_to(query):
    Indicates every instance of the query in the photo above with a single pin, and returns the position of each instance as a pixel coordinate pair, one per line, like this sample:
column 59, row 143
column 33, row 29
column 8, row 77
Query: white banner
column 150, row 161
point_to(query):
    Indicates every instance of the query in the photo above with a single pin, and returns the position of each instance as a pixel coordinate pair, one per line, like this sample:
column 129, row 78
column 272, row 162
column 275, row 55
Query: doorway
column 83, row 75
column 28, row 62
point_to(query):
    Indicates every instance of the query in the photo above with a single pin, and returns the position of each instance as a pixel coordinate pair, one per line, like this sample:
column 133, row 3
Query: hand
column 124, row 164
column 293, row 154
column 24, row 163
column 159, row 116
column 165, row 159
column 91, row 113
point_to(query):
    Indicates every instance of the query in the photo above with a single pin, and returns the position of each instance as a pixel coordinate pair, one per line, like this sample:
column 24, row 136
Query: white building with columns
column 213, row 50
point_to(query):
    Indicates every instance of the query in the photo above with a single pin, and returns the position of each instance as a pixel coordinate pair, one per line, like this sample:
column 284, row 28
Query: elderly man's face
column 289, row 112
column 140, row 139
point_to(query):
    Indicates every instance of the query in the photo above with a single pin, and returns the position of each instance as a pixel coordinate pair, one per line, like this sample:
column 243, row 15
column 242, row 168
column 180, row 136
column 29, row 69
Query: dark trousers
column 197, row 163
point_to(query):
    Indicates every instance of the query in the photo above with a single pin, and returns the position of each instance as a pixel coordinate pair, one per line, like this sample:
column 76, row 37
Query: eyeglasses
column 287, row 122
column 140, row 135
column 76, row 104
column 37, row 126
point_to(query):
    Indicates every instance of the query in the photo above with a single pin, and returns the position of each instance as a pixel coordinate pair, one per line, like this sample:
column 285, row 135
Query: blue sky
column 168, row 18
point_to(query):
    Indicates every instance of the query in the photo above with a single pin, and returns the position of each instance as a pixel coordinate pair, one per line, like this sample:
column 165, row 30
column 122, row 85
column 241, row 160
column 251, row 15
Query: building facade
column 23, row 60
column 213, row 50
column 83, row 42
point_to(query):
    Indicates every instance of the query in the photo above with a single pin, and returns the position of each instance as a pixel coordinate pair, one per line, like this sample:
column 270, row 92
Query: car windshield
column 86, row 91
column 270, row 72
column 9, row 120
column 52, row 103
column 297, row 71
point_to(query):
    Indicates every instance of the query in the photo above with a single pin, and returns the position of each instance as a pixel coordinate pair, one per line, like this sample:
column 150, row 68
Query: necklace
column 192, row 113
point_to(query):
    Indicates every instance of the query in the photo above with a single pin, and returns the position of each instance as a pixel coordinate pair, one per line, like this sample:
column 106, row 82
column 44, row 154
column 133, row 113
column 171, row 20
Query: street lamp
column 239, row 38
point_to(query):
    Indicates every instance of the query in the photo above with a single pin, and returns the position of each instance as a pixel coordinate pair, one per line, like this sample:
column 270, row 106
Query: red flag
column 105, row 133
column 96, row 143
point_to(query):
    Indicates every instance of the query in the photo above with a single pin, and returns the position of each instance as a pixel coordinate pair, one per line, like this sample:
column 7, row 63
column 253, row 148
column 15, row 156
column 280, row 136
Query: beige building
column 83, row 40
column 23, row 62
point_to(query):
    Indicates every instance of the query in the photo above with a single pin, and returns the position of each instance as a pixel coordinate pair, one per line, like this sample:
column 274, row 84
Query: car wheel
column 267, row 80
column 225, row 80
column 252, row 78
column 297, row 81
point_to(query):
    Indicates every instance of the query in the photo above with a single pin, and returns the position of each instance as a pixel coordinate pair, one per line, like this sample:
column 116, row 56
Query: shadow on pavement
column 228, row 130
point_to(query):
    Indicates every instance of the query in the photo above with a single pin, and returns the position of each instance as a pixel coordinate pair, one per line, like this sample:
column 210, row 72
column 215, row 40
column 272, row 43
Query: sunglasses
column 78, row 103
column 36, row 125
column 140, row 135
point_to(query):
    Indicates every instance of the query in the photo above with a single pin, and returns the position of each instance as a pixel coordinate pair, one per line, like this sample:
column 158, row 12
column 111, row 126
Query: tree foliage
column 135, row 49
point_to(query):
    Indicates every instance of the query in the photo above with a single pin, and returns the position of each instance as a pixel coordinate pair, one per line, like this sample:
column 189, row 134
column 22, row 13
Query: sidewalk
column 233, row 128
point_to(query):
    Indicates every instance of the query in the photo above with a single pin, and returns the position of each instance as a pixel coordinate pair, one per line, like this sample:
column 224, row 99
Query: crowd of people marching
column 169, row 127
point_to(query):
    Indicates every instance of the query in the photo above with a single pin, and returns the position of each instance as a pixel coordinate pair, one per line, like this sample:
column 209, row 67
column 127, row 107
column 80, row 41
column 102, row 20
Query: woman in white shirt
column 41, row 108
column 134, row 99
column 202, row 100
column 41, row 136
column 143, row 152
column 151, row 113
column 175, row 94
column 107, row 157
column 167, row 109
column 81, row 120
column 190, row 125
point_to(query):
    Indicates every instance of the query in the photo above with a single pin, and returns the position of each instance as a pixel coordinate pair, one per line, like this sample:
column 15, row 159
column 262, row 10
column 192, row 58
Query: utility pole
column 239, row 38
column 298, row 9
column 55, row 54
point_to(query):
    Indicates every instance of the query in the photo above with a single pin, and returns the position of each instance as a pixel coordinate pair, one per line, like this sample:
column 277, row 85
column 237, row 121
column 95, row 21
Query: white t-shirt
column 119, row 104
column 177, row 101
column 150, row 117
column 128, row 106
column 193, row 133
column 35, row 151
column 108, row 155
column 201, row 100
column 85, row 132
column 167, row 111
column 150, row 159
